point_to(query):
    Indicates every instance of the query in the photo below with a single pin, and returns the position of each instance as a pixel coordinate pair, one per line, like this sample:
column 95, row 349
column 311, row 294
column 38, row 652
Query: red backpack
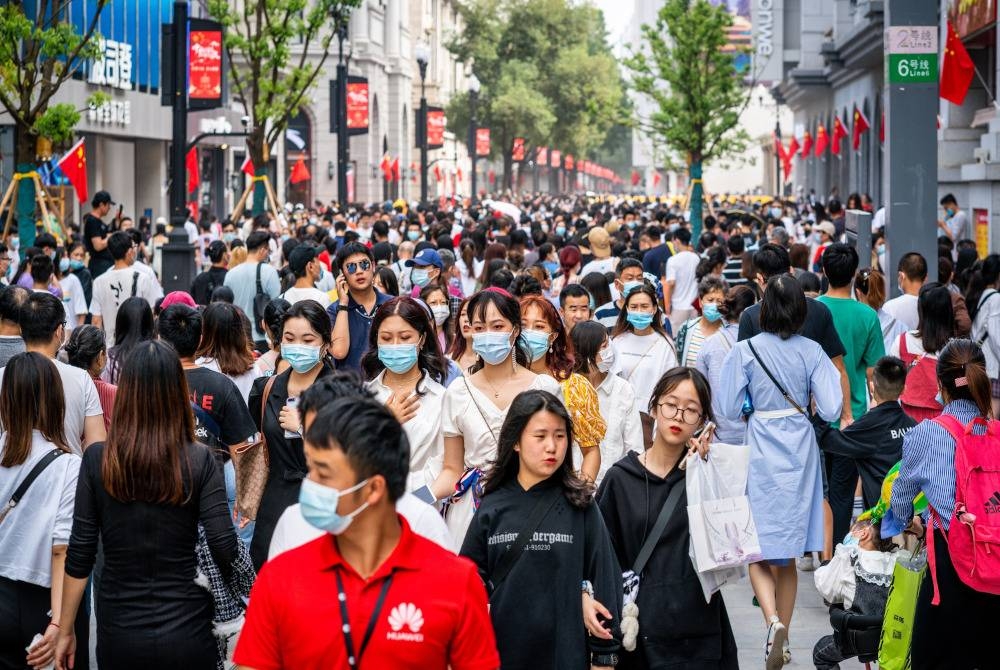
column 974, row 534
column 919, row 397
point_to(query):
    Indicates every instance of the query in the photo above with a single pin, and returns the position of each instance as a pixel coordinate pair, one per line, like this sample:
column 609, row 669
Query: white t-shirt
column 469, row 283
column 600, row 266
column 192, row 231
column 294, row 295
column 903, row 309
column 624, row 434
column 293, row 530
column 641, row 361
column 81, row 401
column 244, row 382
column 74, row 301
column 681, row 271
column 114, row 287
column 914, row 346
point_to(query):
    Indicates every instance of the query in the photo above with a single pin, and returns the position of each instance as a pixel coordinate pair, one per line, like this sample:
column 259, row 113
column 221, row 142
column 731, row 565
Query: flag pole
column 985, row 86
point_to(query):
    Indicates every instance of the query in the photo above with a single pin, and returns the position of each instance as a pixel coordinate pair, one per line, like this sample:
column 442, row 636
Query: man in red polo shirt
column 370, row 590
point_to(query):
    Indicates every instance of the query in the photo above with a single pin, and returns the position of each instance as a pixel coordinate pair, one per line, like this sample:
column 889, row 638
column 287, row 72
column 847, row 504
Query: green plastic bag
column 897, row 626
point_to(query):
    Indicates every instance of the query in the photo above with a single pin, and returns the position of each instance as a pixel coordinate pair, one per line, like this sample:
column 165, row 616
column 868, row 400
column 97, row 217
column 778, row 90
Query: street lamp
column 422, row 52
column 341, row 15
column 473, row 154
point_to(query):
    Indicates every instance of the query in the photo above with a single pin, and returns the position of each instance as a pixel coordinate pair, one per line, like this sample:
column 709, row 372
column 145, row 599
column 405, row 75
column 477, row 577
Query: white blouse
column 641, row 361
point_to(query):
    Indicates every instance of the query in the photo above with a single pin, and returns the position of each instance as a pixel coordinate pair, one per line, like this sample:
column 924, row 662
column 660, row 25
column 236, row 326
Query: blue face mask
column 640, row 320
column 711, row 312
column 398, row 358
column 319, row 506
column 63, row 265
column 75, row 264
column 495, row 348
column 632, row 225
column 537, row 343
column 630, row 286
column 413, row 235
column 560, row 230
column 420, row 277
column 551, row 266
column 228, row 237
column 302, row 357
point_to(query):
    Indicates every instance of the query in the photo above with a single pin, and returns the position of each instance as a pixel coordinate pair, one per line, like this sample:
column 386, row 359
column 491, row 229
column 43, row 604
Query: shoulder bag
column 260, row 300
column 509, row 557
column 982, row 303
column 775, row 381
column 252, row 465
column 22, row 488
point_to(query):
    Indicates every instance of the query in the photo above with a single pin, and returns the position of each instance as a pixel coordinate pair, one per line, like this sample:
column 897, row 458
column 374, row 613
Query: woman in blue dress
column 785, row 485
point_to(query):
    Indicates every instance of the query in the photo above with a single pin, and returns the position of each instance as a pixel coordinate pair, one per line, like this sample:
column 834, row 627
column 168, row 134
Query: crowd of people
column 432, row 437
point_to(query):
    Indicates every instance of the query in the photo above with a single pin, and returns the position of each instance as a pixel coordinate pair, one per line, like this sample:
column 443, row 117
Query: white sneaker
column 806, row 563
column 777, row 637
column 787, row 653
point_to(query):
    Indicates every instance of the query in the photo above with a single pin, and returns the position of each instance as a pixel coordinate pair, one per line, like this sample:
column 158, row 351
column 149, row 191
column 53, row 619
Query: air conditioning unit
column 981, row 155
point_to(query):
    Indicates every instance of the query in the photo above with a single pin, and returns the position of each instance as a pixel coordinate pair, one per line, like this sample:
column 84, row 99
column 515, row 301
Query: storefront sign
column 768, row 40
column 482, row 142
column 435, row 127
column 982, row 219
column 113, row 66
column 205, row 69
column 116, row 113
column 972, row 16
column 912, row 53
column 357, row 105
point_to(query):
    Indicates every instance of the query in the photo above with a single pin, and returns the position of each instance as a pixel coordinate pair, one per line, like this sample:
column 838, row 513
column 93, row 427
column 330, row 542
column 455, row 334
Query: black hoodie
column 677, row 628
column 537, row 610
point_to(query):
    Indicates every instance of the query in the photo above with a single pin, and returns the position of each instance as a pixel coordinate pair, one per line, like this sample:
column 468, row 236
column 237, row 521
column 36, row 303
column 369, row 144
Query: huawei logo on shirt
column 408, row 616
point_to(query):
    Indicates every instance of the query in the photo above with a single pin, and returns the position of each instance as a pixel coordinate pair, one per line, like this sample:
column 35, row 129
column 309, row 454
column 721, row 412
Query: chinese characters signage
column 113, row 65
column 357, row 105
column 435, row 127
column 114, row 113
column 982, row 220
column 482, row 142
column 205, row 66
column 912, row 52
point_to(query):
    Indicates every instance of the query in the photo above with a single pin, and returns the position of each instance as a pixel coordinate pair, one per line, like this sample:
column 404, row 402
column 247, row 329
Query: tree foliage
column 546, row 72
column 37, row 56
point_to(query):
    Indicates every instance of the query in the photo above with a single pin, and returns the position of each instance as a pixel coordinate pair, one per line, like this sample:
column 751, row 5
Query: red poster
column 542, row 156
column 357, row 105
column 205, row 65
column 482, row 142
column 556, row 158
column 435, row 127
column 517, row 153
column 569, row 164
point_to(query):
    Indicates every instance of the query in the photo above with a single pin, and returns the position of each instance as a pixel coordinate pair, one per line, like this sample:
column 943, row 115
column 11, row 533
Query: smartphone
column 704, row 429
column 292, row 403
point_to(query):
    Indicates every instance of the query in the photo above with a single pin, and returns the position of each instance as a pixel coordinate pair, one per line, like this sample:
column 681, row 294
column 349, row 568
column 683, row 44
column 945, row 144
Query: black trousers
column 842, row 479
column 23, row 614
column 959, row 633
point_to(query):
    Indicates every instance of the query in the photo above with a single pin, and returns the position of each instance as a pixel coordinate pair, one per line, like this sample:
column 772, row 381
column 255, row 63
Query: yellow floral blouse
column 580, row 398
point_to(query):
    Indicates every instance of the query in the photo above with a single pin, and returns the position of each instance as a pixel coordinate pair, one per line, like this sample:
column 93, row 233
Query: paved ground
column 811, row 622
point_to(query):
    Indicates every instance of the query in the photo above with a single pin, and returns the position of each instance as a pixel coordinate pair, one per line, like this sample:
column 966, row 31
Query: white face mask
column 606, row 358
column 441, row 313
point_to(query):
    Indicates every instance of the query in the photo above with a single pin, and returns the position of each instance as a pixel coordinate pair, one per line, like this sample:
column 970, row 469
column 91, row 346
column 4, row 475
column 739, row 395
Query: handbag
column 260, row 300
column 252, row 465
column 22, row 488
column 900, row 611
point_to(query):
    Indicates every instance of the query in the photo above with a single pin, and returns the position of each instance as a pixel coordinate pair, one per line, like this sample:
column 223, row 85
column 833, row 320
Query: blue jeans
column 246, row 534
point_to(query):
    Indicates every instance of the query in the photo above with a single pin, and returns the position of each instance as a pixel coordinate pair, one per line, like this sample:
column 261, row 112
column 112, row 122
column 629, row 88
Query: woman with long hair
column 551, row 353
column 271, row 324
column 226, row 346
column 133, row 326
column 461, row 351
column 693, row 333
column 569, row 267
column 782, row 372
column 495, row 253
column 476, row 405
column 150, row 474
column 594, row 358
column 643, row 350
column 678, row 629
column 406, row 371
column 929, row 467
column 984, row 308
column 713, row 353
column 385, row 281
column 305, row 345
column 34, row 535
column 533, row 470
column 869, row 288
column 470, row 266
column 86, row 350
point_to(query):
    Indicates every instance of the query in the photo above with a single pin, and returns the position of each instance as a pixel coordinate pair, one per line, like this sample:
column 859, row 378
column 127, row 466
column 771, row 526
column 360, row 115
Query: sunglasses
column 353, row 267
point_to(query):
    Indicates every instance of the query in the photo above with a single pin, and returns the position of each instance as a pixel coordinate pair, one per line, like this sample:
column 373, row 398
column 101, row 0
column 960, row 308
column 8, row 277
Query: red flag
column 74, row 166
column 247, row 166
column 779, row 148
column 656, row 179
column 458, row 173
column 386, row 167
column 807, row 144
column 839, row 133
column 395, row 169
column 491, row 176
column 822, row 141
column 881, row 128
column 437, row 172
column 956, row 70
column 861, row 125
column 299, row 172
column 635, row 177
column 793, row 148
column 193, row 174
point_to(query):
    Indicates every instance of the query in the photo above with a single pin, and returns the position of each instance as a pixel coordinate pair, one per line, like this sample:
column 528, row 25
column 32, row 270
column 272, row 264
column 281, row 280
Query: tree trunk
column 697, row 194
column 257, row 149
column 25, row 211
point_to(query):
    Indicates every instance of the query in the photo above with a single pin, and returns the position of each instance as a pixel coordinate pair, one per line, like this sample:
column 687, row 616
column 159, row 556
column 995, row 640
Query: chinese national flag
column 74, row 167
column 956, row 70
column 247, row 166
column 193, row 173
column 395, row 169
column 635, row 177
column 861, row 125
column 807, row 144
column 839, row 133
column 437, row 172
column 386, row 167
column 779, row 148
column 822, row 141
column 793, row 148
column 300, row 172
column 656, row 179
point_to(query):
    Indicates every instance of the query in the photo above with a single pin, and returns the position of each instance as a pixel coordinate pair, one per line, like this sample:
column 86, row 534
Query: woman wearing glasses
column 357, row 300
column 782, row 372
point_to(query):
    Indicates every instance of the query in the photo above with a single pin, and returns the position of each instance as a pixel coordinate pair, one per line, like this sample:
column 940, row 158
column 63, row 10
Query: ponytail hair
column 961, row 372
column 468, row 251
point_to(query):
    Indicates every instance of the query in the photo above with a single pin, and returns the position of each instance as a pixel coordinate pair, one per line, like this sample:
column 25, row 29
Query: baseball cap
column 300, row 257
column 102, row 198
column 599, row 240
column 424, row 258
column 827, row 227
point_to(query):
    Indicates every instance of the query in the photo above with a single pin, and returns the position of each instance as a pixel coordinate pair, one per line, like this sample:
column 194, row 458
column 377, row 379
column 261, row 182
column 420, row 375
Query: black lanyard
column 352, row 660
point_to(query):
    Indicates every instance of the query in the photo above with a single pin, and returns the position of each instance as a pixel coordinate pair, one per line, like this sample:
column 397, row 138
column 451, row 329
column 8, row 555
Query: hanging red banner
column 357, row 105
column 556, row 159
column 517, row 152
column 542, row 156
column 205, row 68
column 435, row 127
column 569, row 164
column 482, row 142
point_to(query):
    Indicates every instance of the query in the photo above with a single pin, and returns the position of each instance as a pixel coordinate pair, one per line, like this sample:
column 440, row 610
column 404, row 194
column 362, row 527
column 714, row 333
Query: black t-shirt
column 94, row 227
column 221, row 417
column 205, row 283
column 818, row 327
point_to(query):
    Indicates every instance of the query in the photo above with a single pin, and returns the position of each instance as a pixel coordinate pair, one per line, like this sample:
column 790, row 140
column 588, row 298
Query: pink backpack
column 974, row 534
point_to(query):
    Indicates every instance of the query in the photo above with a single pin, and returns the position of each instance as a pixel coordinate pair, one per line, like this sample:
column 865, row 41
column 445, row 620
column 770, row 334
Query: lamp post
column 422, row 53
column 473, row 153
column 341, row 15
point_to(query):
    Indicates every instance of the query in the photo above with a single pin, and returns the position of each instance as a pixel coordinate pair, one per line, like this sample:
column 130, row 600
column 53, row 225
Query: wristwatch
column 606, row 660
column 587, row 588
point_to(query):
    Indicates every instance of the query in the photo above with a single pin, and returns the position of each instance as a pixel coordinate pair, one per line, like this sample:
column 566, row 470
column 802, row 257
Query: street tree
column 698, row 94
column 40, row 50
column 276, row 49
